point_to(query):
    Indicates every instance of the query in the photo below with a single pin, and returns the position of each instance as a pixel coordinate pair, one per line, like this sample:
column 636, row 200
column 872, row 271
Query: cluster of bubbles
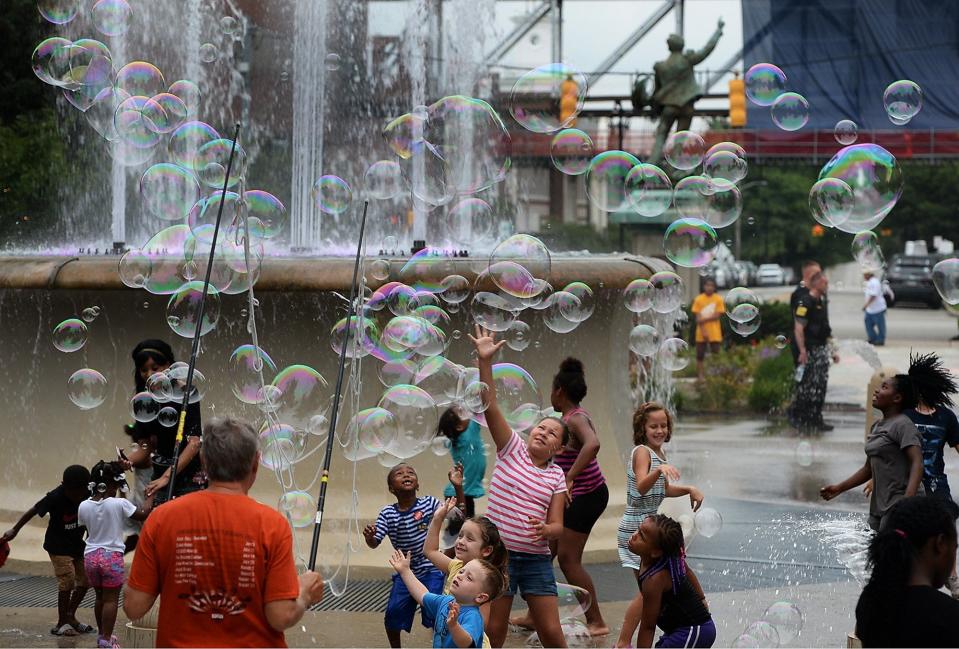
column 659, row 296
column 780, row 625
column 86, row 388
column 766, row 86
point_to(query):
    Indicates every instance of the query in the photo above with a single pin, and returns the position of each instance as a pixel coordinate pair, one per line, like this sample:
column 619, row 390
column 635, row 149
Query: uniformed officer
column 811, row 333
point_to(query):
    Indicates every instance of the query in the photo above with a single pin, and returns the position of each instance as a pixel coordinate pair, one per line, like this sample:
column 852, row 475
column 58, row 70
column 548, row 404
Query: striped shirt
column 591, row 477
column 520, row 490
column 407, row 530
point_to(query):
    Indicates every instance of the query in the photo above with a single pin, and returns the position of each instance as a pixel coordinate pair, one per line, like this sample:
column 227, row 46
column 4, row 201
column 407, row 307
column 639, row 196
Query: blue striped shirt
column 407, row 530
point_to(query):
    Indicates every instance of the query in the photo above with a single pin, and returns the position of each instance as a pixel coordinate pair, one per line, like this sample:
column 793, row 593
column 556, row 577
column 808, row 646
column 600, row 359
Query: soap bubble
column 684, row 150
column 172, row 114
column 690, row 243
column 492, row 311
column 211, row 162
column 786, row 618
column 208, row 53
column 440, row 445
column 516, row 392
column 874, row 176
column 246, row 364
column 303, row 395
column 748, row 327
column 455, row 289
column 404, row 333
column 189, row 93
column 559, row 313
column 187, row 140
column 423, row 272
column 518, row 336
column 333, row 61
column 903, row 100
column 89, row 314
column 374, row 428
column 708, row 522
column 790, row 111
column 51, row 59
column 168, row 416
column 87, row 388
column 740, row 297
column 332, row 195
column 691, row 196
column 159, row 386
column 266, row 212
column 764, row 83
column 379, row 269
column 724, row 169
column 644, row 340
column 764, row 632
column 945, row 276
column 139, row 121
column 469, row 220
column 388, row 460
column 229, row 25
column 667, row 291
column 846, row 132
column 474, row 397
column 746, row 641
column 723, row 207
column 564, row 87
column 280, row 446
column 638, row 295
column 831, row 201
column 299, row 507
column 674, row 354
column 781, row 342
column 398, row 371
column 140, row 79
column 582, row 311
column 183, row 309
column 520, row 266
column 649, row 189
column 144, row 407
column 169, row 191
column 866, row 251
column 111, row 17
column 606, row 179
column 177, row 374
column 70, row 335
column 573, row 601
column 440, row 378
column 571, row 150
column 414, row 412
column 804, row 454
column 384, row 180
column 58, row 12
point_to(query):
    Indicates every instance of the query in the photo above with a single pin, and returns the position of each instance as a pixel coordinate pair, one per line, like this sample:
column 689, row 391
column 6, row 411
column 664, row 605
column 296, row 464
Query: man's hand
column 311, row 588
column 400, row 561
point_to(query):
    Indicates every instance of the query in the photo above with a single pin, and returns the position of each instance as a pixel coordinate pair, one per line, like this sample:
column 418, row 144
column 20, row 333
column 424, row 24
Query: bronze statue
column 676, row 91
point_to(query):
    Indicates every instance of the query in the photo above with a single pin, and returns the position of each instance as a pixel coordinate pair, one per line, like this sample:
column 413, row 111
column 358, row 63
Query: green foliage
column 725, row 380
column 775, row 320
column 772, row 382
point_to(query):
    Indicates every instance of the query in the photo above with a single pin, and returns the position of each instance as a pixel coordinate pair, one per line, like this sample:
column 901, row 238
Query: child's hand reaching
column 444, row 508
column 671, row 472
column 485, row 343
column 453, row 615
column 400, row 561
column 456, row 475
column 695, row 498
column 829, row 492
column 369, row 533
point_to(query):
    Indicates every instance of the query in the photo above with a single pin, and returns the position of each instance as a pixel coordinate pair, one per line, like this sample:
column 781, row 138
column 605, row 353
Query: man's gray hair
column 229, row 449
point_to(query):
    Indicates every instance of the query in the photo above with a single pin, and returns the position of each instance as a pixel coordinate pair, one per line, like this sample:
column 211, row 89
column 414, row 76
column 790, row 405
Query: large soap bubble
column 570, row 151
column 708, row 522
column 303, row 395
column 690, row 243
column 373, row 428
column 846, row 132
column 638, row 295
column 606, row 179
column 786, row 618
column 764, row 83
column 492, row 311
column 945, row 276
column 169, row 191
column 70, row 335
column 667, row 291
column 684, row 150
column 644, row 340
column 649, row 190
column 520, row 266
column 384, row 180
column 414, row 412
column 183, row 309
column 541, row 96
column 867, row 251
column 299, row 507
column 111, row 17
column 790, row 111
column 58, row 12
column 247, row 362
column 741, row 304
column 674, row 354
column 831, row 201
column 874, row 176
column 902, row 100
column 87, row 388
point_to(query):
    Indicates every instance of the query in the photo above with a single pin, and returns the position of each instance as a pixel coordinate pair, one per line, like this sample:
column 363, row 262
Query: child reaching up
column 406, row 522
column 478, row 539
column 105, row 516
column 458, row 622
column 527, row 496
column 673, row 600
column 648, row 482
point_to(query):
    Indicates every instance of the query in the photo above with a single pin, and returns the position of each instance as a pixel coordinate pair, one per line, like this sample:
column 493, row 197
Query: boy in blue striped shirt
column 406, row 523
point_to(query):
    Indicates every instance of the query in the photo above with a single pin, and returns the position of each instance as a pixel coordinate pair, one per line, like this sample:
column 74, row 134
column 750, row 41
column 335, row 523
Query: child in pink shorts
column 105, row 515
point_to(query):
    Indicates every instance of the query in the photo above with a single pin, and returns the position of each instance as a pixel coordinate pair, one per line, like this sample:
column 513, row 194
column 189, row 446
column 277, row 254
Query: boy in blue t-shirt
column 406, row 523
column 458, row 621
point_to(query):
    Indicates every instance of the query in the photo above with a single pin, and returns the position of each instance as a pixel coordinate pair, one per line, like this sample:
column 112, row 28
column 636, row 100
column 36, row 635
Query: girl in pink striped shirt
column 527, row 495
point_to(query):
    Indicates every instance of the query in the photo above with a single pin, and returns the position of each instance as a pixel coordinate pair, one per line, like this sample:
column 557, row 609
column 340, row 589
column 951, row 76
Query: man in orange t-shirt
column 708, row 307
column 221, row 562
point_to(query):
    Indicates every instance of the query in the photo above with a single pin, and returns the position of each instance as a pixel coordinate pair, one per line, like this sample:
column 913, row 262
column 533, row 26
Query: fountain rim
column 310, row 274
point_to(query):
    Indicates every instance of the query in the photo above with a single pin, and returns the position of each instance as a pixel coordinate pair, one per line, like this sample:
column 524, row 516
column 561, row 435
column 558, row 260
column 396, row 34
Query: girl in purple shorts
column 105, row 516
column 673, row 600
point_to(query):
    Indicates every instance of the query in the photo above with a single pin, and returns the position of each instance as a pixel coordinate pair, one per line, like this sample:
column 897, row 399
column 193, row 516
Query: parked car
column 910, row 278
column 752, row 270
column 770, row 275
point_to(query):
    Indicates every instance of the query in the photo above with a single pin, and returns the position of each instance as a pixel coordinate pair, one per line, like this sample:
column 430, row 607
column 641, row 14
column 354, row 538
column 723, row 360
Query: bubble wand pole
column 195, row 351
column 328, row 458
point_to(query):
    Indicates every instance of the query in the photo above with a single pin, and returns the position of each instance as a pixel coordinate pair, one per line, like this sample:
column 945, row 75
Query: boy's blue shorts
column 401, row 607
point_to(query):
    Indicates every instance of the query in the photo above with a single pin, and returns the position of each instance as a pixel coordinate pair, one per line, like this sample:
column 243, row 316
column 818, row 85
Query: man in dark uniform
column 808, row 269
column 811, row 335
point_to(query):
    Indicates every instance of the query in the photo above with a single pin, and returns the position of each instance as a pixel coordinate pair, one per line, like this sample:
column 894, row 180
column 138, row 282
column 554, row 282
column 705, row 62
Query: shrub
column 772, row 381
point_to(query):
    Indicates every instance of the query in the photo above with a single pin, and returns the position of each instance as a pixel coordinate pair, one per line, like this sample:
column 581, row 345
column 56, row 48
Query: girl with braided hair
column 910, row 559
column 893, row 447
column 673, row 600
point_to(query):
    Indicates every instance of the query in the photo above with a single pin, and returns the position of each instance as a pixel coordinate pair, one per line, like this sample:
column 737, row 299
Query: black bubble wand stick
column 328, row 457
column 195, row 351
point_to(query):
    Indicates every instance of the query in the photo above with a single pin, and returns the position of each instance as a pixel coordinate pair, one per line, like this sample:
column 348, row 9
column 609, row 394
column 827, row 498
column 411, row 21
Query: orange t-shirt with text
column 216, row 560
column 709, row 305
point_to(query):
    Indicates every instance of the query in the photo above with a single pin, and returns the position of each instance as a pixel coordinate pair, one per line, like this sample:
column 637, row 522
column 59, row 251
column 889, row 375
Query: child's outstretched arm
column 460, row 636
column 456, row 479
column 695, row 495
column 486, row 348
column 431, row 547
column 11, row 534
column 401, row 564
column 859, row 477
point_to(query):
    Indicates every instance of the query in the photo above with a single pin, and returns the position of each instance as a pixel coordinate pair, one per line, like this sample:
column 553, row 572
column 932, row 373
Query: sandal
column 64, row 630
column 80, row 627
column 103, row 643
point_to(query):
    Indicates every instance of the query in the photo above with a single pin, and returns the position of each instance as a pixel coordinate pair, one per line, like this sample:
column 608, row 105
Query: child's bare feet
column 523, row 621
column 596, row 630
